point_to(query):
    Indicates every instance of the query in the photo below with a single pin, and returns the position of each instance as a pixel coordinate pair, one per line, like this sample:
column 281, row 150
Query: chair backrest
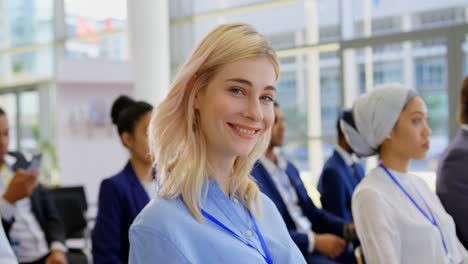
column 71, row 205
column 359, row 254
column 75, row 192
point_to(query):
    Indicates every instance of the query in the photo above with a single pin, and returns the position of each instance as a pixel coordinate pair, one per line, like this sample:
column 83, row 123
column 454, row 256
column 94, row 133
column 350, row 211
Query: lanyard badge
column 430, row 217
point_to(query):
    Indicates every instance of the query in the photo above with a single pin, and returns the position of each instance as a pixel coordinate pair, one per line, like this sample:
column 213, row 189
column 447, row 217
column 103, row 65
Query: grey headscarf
column 373, row 117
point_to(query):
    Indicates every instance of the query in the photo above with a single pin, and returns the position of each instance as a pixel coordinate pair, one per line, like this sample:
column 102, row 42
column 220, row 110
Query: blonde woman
column 398, row 218
column 205, row 137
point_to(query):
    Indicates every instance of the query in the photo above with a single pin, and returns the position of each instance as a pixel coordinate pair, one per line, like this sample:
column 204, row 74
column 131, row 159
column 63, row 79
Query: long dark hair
column 126, row 113
column 463, row 103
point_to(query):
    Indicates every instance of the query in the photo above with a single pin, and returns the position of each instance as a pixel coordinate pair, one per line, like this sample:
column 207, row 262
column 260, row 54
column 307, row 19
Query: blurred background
column 63, row 62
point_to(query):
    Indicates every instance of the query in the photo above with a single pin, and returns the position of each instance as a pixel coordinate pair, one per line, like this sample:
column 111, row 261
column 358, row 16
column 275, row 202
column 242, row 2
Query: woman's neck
column 394, row 161
column 142, row 169
column 220, row 169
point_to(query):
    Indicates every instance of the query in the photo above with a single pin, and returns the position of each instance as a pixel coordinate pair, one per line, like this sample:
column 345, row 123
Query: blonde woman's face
column 236, row 107
column 410, row 137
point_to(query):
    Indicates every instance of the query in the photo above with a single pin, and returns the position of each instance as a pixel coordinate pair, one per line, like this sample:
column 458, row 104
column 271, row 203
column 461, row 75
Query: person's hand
column 56, row 257
column 330, row 245
column 350, row 232
column 21, row 185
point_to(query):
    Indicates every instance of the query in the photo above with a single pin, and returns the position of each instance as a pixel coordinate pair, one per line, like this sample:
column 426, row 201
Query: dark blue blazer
column 336, row 186
column 121, row 198
column 452, row 183
column 322, row 221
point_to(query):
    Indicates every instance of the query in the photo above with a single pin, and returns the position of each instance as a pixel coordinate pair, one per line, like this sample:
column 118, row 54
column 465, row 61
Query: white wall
column 89, row 148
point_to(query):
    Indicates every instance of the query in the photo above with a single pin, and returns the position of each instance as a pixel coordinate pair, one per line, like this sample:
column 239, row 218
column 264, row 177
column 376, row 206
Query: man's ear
column 127, row 139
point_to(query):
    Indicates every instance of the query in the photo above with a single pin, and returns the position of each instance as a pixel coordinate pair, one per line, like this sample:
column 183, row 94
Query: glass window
column 310, row 93
column 282, row 34
column 364, row 18
column 34, row 65
column 304, row 145
column 421, row 65
column 30, row 22
column 431, row 82
column 2, row 69
column 328, row 14
column 202, row 6
column 465, row 55
column 29, row 120
column 8, row 104
column 100, row 28
column 292, row 97
column 113, row 47
column 330, row 93
column 87, row 17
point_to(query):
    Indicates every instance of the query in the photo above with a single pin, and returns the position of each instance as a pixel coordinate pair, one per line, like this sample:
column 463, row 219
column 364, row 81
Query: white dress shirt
column 289, row 196
column 348, row 159
column 28, row 240
column 392, row 230
column 151, row 188
column 6, row 253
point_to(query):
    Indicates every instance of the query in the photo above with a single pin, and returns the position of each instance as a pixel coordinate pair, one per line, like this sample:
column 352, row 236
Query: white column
column 350, row 77
column 346, row 19
column 348, row 67
column 368, row 57
column 7, row 74
column 408, row 60
column 313, row 74
column 466, row 13
column 300, row 78
column 60, row 33
column 148, row 32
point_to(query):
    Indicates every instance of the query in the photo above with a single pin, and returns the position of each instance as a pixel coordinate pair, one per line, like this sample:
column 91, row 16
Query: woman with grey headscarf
column 398, row 218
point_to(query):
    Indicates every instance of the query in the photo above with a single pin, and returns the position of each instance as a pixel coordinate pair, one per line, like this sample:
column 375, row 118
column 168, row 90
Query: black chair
column 71, row 205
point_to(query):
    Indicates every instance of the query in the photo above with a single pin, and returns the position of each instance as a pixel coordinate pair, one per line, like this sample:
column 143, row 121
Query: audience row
column 205, row 184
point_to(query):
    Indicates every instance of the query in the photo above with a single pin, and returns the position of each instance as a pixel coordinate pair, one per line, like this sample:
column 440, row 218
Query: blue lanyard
column 267, row 255
column 431, row 219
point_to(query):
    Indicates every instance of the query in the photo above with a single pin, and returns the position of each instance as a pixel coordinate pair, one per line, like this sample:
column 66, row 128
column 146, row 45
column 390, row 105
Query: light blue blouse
column 166, row 232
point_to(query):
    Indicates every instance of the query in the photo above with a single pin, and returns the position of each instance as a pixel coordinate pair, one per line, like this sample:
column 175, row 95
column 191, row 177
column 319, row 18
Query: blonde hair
column 177, row 145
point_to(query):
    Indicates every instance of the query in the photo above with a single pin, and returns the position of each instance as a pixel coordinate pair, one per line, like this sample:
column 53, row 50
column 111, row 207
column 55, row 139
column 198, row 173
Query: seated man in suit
column 317, row 233
column 340, row 176
column 29, row 217
column 452, row 177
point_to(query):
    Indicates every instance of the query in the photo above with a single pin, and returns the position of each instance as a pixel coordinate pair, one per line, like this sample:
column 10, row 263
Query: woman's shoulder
column 374, row 183
column 266, row 202
column 117, row 178
column 160, row 231
column 269, row 210
column 162, row 213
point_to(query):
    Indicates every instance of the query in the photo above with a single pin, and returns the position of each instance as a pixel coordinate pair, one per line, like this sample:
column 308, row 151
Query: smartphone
column 35, row 162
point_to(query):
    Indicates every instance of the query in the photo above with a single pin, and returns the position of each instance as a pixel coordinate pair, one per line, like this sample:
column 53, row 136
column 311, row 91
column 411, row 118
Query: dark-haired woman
column 398, row 219
column 122, row 196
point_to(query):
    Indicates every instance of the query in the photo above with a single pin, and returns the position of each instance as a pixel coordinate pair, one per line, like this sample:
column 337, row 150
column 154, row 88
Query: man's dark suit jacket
column 43, row 208
column 336, row 186
column 452, row 183
column 121, row 198
column 322, row 221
